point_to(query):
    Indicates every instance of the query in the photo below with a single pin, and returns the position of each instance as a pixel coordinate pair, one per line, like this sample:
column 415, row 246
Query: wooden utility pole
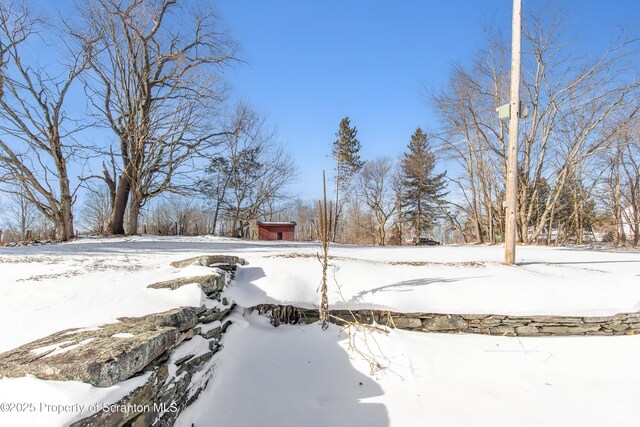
column 512, row 166
column 334, row 230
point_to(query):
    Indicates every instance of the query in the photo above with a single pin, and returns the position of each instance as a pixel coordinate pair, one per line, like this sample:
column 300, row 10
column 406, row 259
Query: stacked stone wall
column 488, row 324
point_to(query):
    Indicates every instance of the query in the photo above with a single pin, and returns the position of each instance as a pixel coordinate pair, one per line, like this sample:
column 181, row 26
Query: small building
column 276, row 230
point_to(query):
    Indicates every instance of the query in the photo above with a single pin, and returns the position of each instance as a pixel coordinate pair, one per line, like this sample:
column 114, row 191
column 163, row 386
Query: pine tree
column 423, row 190
column 346, row 152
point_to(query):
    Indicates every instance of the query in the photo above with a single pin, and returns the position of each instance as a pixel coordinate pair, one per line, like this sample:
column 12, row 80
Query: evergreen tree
column 346, row 152
column 423, row 190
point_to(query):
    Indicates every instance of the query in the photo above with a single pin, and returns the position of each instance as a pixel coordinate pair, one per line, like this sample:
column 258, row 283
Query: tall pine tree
column 346, row 152
column 423, row 191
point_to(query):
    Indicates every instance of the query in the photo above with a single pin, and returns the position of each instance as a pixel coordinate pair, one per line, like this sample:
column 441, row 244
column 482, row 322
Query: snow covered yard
column 301, row 375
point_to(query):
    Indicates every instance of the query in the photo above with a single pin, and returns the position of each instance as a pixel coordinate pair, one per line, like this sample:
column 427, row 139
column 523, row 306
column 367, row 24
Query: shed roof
column 276, row 223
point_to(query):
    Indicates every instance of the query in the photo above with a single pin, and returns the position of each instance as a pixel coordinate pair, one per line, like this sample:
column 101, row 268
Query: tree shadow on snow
column 578, row 262
column 243, row 290
column 292, row 375
column 406, row 286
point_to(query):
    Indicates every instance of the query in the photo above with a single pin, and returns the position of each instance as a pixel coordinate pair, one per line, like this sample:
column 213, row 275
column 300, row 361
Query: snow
column 58, row 403
column 60, row 350
column 123, row 335
column 462, row 279
column 301, row 375
column 52, row 288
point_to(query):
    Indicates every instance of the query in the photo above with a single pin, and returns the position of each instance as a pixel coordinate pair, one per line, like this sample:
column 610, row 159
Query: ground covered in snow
column 301, row 375
column 295, row 375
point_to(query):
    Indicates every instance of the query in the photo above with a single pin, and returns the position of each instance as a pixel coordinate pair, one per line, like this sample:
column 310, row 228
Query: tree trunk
column 119, row 207
column 216, row 212
column 65, row 227
column 135, row 203
column 67, row 217
column 334, row 232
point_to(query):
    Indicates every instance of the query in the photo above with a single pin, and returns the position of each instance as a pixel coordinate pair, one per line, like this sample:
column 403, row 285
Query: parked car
column 427, row 242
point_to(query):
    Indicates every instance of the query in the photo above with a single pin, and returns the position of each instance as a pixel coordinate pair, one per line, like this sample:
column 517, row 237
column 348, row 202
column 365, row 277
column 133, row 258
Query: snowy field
column 301, row 375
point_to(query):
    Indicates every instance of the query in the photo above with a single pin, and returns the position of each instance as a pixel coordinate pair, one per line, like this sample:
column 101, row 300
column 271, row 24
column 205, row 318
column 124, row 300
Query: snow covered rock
column 219, row 261
column 210, row 284
column 487, row 324
column 103, row 356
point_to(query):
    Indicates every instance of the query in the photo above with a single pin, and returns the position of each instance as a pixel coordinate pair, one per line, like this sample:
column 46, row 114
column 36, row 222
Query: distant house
column 629, row 222
column 276, row 230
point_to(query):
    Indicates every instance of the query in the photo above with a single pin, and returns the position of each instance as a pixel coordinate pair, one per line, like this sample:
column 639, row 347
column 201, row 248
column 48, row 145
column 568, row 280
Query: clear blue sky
column 310, row 63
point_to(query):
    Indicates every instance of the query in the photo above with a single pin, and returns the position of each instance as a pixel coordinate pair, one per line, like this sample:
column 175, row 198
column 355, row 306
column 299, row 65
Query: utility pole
column 512, row 166
column 334, row 231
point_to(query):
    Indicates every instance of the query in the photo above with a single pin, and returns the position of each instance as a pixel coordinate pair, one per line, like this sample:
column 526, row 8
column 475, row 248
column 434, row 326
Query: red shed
column 276, row 231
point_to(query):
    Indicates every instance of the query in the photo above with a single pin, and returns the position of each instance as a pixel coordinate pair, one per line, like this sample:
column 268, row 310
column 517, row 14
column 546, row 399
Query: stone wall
column 488, row 324
column 174, row 349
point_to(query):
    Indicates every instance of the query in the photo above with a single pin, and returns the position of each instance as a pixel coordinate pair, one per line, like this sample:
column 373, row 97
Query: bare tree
column 250, row 176
column 94, row 215
column 621, row 188
column 37, row 141
column 375, row 187
column 572, row 99
column 631, row 197
column 156, row 84
column 20, row 214
column 176, row 216
column 244, row 128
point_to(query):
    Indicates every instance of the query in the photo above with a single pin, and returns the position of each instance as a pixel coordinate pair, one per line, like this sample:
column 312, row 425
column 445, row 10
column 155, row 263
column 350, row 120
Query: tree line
column 382, row 200
column 579, row 148
column 157, row 89
column 130, row 105
column 579, row 152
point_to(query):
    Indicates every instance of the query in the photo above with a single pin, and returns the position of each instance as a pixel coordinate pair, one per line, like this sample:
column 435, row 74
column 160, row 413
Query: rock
column 184, row 318
column 597, row 319
column 554, row 329
column 617, row 327
column 514, row 322
column 446, row 322
column 366, row 316
column 210, row 283
column 212, row 333
column 525, row 331
column 140, row 398
column 570, row 330
column 632, row 318
column 215, row 314
column 194, row 363
column 502, row 330
column 545, row 319
column 475, row 316
column 183, row 359
column 620, row 324
column 407, row 322
column 490, row 321
column 210, row 260
column 309, row 319
column 568, row 321
column 98, row 357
